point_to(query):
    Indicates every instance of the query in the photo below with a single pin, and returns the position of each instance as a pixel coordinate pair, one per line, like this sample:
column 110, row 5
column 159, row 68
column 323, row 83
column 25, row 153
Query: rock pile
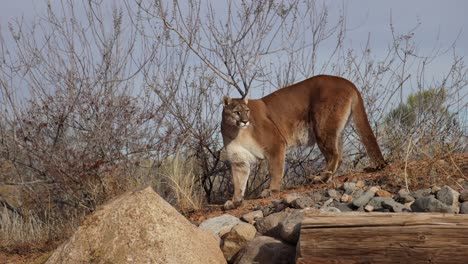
column 260, row 235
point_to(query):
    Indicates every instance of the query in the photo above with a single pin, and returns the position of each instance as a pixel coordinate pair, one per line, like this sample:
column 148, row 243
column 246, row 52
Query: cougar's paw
column 323, row 177
column 268, row 192
column 229, row 205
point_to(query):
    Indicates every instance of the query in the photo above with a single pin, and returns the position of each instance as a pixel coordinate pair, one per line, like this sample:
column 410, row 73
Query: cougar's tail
column 365, row 132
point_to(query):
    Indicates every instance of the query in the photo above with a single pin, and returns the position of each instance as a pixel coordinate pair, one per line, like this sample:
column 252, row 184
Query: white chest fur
column 244, row 148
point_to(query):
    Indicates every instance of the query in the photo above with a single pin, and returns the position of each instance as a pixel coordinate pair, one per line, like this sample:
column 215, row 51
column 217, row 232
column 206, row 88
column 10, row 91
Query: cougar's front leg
column 240, row 175
column 276, row 170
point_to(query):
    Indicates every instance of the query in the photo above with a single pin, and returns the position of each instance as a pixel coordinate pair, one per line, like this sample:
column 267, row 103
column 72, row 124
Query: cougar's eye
column 237, row 112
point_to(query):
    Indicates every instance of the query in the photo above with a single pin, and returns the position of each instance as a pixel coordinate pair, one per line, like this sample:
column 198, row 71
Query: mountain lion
column 312, row 111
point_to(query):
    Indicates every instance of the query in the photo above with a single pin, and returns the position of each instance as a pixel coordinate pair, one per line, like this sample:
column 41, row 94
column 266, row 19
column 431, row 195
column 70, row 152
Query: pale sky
column 441, row 23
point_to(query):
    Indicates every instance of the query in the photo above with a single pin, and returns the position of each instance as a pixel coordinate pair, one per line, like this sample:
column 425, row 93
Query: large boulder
column 138, row 227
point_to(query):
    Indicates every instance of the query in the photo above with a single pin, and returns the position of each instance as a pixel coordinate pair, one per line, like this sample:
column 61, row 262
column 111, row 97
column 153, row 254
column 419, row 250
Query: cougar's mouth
column 243, row 124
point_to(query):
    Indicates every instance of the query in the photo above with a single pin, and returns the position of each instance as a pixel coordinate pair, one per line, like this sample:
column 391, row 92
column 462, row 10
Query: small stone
column 376, row 202
column 357, row 193
column 265, row 249
column 368, row 208
column 364, row 199
column 464, row 208
column 333, row 194
column 464, row 196
column 345, row 198
column 252, row 216
column 290, row 197
column 316, row 197
column 267, row 210
column 328, row 202
column 345, row 207
column 276, row 202
column 405, row 198
column 330, row 209
column 303, row 202
column 435, row 189
column 360, row 184
column 430, row 204
column 421, row 193
column 449, row 197
column 280, row 207
column 349, row 187
column 269, row 224
column 291, row 227
column 403, row 191
column 383, row 193
column 236, row 239
column 393, row 206
column 219, row 226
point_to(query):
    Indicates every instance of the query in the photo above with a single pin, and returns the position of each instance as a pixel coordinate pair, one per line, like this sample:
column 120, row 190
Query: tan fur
column 312, row 111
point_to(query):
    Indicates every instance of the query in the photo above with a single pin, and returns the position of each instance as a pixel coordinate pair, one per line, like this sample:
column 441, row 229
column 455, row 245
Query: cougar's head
column 236, row 112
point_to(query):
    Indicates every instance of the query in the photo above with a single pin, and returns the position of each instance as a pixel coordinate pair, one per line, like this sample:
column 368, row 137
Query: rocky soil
column 276, row 220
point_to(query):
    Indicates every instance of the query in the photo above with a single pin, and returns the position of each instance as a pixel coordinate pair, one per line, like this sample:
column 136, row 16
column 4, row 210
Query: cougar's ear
column 226, row 100
column 245, row 99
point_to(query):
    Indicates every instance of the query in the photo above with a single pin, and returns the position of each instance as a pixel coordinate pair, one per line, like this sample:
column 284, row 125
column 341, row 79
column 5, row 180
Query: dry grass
column 178, row 183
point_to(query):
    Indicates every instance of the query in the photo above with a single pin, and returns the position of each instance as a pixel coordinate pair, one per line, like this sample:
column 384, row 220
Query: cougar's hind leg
column 276, row 170
column 329, row 138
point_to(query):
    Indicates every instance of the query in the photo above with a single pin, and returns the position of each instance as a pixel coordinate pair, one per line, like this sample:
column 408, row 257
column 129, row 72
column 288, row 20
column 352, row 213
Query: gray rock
column 330, row 209
column 236, row 239
column 357, row 193
column 365, row 198
column 266, row 250
column 220, row 225
column 333, row 194
column 252, row 216
column 376, row 202
column 421, row 193
column 303, row 202
column 430, row 204
column 267, row 210
column 345, row 207
column 328, row 202
column 449, row 197
column 464, row 196
column 317, row 197
column 368, row 208
column 280, row 208
column 290, row 197
column 291, row 227
column 464, row 208
column 405, row 198
column 393, row 206
column 270, row 225
column 349, row 187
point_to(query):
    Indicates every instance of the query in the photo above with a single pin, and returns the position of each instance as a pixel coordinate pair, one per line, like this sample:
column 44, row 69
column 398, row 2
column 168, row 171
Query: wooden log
column 355, row 237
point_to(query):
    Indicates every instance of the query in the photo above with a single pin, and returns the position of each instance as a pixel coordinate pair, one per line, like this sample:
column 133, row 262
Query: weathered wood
column 354, row 237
